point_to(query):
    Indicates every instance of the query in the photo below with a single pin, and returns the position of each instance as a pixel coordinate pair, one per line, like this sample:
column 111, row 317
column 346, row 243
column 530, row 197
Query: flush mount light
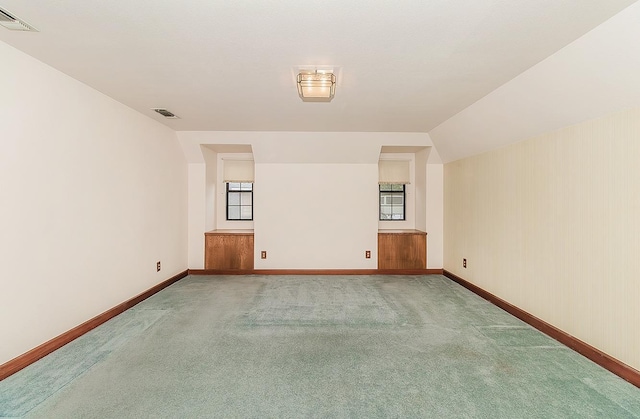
column 316, row 85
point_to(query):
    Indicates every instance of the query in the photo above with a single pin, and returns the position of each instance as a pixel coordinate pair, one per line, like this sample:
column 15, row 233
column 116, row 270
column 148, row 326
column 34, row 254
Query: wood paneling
column 229, row 250
column 316, row 272
column 402, row 249
column 24, row 360
column 606, row 361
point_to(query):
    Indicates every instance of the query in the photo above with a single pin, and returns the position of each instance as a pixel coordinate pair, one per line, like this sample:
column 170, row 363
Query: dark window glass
column 239, row 201
column 392, row 199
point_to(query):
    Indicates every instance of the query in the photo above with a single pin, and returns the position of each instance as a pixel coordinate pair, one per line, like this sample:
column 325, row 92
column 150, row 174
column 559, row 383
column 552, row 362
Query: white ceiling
column 404, row 66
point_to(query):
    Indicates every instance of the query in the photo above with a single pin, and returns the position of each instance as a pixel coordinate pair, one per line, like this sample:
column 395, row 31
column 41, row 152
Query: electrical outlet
column 367, row 254
column 158, row 266
column 263, row 254
column 464, row 263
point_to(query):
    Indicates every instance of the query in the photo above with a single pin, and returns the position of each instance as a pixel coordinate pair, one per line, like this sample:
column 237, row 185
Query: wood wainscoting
column 228, row 249
column 315, row 272
column 402, row 249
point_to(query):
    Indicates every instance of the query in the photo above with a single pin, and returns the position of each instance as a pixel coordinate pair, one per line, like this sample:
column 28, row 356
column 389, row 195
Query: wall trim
column 606, row 361
column 28, row 358
column 315, row 271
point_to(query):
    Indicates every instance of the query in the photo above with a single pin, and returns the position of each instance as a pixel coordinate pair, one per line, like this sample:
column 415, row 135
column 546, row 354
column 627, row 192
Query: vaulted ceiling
column 402, row 66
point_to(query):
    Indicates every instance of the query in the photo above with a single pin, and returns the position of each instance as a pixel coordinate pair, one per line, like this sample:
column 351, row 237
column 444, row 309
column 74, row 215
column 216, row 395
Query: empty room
column 320, row 209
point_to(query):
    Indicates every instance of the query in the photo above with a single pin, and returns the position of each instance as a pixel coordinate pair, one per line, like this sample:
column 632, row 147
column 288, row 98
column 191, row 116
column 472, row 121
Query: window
column 392, row 198
column 239, row 201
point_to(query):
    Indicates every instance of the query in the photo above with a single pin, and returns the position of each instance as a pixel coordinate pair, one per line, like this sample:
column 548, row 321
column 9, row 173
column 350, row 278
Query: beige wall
column 93, row 195
column 316, row 216
column 305, row 166
column 552, row 225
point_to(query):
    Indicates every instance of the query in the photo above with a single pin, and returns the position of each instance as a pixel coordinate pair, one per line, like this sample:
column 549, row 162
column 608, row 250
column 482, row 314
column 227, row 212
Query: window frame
column 404, row 202
column 228, row 205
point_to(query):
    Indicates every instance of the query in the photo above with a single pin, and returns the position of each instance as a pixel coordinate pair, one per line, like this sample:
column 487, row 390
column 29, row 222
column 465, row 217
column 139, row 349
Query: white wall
column 316, row 152
column 552, row 225
column 316, row 216
column 197, row 213
column 435, row 216
column 93, row 194
column 420, row 181
column 211, row 188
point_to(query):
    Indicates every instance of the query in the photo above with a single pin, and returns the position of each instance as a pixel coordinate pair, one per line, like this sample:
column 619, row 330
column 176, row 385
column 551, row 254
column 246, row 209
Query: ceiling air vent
column 13, row 23
column 166, row 113
column 6, row 17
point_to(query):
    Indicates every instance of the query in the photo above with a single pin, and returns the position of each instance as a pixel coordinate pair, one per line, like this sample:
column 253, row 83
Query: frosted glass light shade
column 316, row 85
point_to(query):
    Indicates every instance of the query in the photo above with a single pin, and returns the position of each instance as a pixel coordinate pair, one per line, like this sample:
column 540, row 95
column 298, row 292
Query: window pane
column 246, row 213
column 246, row 186
column 385, row 198
column 234, row 213
column 234, row 186
column 392, row 202
column 234, row 198
column 245, row 198
column 398, row 213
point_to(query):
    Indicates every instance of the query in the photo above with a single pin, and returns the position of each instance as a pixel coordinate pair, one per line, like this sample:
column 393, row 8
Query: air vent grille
column 166, row 113
column 12, row 23
column 6, row 17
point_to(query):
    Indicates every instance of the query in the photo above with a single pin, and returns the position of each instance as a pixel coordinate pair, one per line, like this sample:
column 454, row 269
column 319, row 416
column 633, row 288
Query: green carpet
column 316, row 346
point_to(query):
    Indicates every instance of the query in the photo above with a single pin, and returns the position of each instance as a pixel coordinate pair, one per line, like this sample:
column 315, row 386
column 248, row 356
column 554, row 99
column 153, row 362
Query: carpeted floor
column 316, row 346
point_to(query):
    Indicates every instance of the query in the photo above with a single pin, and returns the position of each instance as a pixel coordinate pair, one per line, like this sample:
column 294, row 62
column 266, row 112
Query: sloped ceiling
column 595, row 75
column 229, row 65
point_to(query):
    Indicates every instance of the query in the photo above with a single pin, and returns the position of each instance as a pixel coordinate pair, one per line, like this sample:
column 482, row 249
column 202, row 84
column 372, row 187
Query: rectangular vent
column 12, row 23
column 166, row 113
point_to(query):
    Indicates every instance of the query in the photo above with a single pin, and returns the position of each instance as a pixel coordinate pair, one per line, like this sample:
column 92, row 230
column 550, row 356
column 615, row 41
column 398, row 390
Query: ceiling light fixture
column 316, row 85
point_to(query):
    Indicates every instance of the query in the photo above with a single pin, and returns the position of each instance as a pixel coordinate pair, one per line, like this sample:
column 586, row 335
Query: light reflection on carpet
column 319, row 302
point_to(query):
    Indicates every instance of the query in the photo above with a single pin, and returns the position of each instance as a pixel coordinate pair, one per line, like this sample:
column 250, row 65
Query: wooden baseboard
column 28, row 358
column 315, row 271
column 617, row 367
